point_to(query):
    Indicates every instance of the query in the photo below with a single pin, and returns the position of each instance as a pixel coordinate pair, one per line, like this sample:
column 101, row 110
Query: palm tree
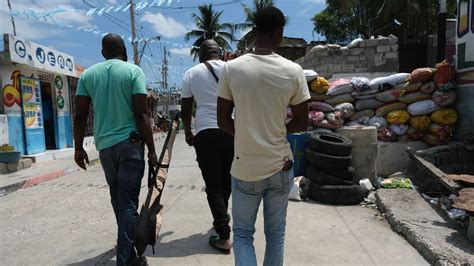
column 208, row 27
column 250, row 21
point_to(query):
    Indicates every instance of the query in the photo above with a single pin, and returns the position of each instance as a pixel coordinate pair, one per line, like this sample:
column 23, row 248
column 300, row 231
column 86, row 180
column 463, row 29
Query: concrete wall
column 378, row 55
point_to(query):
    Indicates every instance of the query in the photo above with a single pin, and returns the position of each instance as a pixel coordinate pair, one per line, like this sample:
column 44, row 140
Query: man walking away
column 261, row 85
column 117, row 90
column 214, row 147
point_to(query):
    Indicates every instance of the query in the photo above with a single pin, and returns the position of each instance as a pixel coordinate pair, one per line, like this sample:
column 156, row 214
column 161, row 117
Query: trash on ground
column 396, row 182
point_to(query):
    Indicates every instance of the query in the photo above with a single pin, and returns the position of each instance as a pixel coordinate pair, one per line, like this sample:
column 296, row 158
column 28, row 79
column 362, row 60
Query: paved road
column 70, row 221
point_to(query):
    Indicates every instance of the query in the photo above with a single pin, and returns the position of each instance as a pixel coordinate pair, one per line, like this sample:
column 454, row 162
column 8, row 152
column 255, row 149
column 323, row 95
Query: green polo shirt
column 110, row 85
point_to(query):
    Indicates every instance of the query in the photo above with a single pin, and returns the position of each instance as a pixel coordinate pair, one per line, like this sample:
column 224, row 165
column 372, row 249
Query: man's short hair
column 269, row 19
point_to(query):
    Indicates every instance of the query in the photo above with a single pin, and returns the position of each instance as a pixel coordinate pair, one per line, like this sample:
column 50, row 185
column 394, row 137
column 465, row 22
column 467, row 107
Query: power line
column 193, row 7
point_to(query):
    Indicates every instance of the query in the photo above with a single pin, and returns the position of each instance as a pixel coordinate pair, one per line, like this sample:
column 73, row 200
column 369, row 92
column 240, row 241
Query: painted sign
column 11, row 91
column 465, row 42
column 32, row 115
column 35, row 55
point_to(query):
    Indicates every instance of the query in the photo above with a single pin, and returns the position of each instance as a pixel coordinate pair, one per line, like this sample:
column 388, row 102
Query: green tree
column 209, row 27
column 343, row 20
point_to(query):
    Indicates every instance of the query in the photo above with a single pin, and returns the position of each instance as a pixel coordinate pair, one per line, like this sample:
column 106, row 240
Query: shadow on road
column 101, row 259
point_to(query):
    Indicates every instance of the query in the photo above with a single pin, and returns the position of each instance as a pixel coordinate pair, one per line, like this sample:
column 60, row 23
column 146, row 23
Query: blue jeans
column 124, row 165
column 246, row 198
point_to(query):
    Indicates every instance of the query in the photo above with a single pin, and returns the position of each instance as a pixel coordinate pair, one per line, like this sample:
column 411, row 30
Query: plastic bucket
column 298, row 146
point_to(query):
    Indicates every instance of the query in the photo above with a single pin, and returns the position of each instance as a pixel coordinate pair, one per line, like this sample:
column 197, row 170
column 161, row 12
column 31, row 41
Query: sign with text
column 38, row 56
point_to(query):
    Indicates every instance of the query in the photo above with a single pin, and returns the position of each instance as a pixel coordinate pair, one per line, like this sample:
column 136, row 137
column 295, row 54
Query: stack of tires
column 329, row 169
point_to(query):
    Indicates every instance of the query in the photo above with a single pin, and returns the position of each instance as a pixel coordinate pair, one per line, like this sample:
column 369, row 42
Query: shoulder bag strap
column 211, row 70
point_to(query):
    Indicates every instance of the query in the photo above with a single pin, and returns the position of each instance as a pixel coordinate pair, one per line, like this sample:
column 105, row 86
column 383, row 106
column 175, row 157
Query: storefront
column 36, row 95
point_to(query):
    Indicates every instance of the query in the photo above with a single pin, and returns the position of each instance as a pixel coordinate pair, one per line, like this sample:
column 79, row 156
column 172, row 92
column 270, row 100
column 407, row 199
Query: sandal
column 213, row 243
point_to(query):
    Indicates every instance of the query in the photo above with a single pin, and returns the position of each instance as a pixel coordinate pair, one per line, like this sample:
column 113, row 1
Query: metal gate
column 413, row 41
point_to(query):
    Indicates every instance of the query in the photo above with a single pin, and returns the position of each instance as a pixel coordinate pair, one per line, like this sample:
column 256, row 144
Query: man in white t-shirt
column 261, row 85
column 214, row 147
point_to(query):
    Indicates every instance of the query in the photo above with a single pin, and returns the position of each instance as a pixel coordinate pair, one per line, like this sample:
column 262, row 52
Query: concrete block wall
column 377, row 55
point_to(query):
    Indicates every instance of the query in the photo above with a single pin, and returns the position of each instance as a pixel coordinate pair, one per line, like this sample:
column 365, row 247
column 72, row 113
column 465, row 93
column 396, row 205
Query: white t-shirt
column 198, row 82
column 261, row 87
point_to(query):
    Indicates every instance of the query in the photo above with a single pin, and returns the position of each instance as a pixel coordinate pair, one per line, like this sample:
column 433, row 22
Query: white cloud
column 165, row 26
column 181, row 51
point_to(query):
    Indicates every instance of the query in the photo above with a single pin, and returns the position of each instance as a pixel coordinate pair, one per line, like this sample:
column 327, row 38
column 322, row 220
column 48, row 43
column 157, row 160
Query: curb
column 36, row 180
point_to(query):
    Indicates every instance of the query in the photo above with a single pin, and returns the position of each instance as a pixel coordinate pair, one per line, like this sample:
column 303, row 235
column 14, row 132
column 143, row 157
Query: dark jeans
column 215, row 152
column 124, row 166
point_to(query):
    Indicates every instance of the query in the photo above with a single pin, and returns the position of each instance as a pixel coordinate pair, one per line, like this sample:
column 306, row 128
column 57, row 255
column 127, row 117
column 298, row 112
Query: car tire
column 330, row 143
column 337, row 195
column 320, row 178
column 346, row 174
column 327, row 161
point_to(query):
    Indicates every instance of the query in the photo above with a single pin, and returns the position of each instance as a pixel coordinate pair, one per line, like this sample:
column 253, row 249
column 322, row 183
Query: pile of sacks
column 403, row 107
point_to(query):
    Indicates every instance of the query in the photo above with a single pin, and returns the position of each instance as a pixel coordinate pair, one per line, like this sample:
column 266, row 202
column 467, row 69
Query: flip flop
column 213, row 243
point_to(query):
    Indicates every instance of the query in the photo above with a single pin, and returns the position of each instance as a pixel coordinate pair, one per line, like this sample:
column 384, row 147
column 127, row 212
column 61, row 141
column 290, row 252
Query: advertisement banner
column 32, row 115
column 465, row 43
column 38, row 56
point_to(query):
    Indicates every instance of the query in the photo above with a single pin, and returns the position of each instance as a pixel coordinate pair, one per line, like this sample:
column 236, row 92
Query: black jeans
column 215, row 152
column 124, row 165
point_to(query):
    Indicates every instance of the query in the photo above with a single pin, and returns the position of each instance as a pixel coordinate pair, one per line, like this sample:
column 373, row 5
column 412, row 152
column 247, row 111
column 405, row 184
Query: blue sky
column 64, row 31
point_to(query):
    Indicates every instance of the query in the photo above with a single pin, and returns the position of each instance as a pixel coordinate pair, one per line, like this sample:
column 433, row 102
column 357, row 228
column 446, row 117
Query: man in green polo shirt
column 117, row 90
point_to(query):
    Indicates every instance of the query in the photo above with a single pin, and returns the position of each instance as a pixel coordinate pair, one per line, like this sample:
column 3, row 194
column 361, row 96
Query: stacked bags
column 403, row 107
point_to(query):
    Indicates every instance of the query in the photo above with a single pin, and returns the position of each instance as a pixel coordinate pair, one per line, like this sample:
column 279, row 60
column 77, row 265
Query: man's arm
column 81, row 113
column 224, row 115
column 299, row 122
column 186, row 113
column 143, row 122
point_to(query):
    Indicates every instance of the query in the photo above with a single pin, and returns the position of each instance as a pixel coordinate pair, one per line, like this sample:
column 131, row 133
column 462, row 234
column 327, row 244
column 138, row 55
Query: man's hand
column 190, row 138
column 152, row 158
column 81, row 158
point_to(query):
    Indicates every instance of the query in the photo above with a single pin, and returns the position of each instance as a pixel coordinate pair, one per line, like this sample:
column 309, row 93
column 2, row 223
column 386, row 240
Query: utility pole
column 134, row 43
column 13, row 20
column 164, row 74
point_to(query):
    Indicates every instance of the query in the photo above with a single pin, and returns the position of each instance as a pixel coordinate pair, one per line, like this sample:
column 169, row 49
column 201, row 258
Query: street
column 69, row 221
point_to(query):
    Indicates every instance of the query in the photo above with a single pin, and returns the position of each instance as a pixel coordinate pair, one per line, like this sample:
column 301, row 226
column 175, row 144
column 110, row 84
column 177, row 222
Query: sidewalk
column 49, row 170
column 42, row 172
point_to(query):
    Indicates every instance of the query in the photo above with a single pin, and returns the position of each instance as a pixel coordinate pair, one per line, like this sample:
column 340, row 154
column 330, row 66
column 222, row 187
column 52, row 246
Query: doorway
column 48, row 115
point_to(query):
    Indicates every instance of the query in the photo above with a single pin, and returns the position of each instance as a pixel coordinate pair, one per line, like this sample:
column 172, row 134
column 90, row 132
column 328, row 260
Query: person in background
column 261, row 85
column 117, row 88
column 214, row 147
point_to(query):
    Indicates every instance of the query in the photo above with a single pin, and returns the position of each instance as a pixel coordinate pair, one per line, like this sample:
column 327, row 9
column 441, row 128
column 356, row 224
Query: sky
column 78, row 33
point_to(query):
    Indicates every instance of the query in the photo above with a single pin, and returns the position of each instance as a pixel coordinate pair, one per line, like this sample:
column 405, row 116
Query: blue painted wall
column 16, row 133
column 63, row 128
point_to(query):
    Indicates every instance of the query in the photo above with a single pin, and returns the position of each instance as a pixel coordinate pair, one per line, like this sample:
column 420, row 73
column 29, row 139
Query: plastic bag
column 360, row 84
column 420, row 122
column 423, row 107
column 355, row 42
column 421, row 74
column 327, row 124
column 384, row 83
column 321, row 106
column 398, row 117
column 315, row 117
column 445, row 117
column 409, row 87
column 347, row 109
column 399, row 129
column 318, row 96
column 389, row 95
column 369, row 94
column 295, row 189
column 444, row 73
column 319, row 85
column 415, row 134
column 444, row 98
column 442, row 131
column 428, row 87
column 435, row 140
column 364, row 121
column 386, row 134
column 318, row 48
column 310, row 74
column 384, row 110
column 340, row 86
column 359, row 114
column 378, row 122
column 367, row 104
column 450, row 86
column 343, row 98
column 336, row 117
column 414, row 97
